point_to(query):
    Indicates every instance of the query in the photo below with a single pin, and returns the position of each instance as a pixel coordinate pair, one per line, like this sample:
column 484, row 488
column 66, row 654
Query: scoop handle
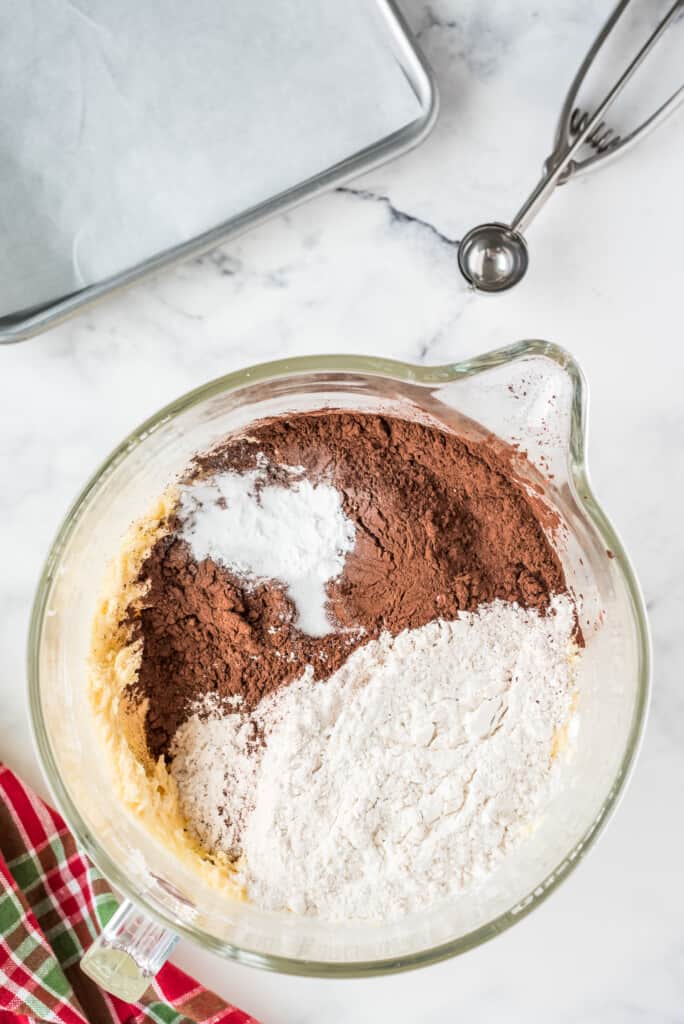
column 563, row 159
column 127, row 953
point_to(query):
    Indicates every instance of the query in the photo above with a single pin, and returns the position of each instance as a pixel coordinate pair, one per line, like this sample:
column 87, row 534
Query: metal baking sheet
column 137, row 133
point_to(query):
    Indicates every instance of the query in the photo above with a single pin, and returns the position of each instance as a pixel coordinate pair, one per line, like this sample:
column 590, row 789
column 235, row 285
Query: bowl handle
column 127, row 953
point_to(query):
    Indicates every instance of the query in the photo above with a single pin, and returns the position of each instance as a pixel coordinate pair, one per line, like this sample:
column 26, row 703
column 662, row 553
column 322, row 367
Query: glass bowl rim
column 408, row 373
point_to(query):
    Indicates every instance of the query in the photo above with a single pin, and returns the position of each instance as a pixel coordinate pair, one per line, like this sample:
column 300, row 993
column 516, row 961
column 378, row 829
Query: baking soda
column 297, row 535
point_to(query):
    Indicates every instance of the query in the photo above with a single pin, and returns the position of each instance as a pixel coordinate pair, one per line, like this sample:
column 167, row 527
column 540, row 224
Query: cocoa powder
column 442, row 525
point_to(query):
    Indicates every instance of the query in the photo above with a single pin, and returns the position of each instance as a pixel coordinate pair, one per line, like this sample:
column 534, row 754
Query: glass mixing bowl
column 532, row 395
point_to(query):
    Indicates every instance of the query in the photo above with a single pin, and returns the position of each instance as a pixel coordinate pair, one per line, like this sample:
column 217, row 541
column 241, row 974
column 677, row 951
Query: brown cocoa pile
column 442, row 526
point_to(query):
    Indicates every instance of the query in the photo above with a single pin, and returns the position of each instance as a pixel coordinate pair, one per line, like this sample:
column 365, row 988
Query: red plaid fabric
column 53, row 903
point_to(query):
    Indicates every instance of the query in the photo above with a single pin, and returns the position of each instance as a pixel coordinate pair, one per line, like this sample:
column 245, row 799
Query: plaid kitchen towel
column 52, row 905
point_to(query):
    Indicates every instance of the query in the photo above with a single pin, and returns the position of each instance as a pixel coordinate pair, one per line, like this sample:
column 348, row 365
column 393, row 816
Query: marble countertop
column 372, row 269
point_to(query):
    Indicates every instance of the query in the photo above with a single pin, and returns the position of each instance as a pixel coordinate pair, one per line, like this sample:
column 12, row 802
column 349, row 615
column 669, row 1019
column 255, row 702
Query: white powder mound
column 216, row 792
column 298, row 535
column 400, row 781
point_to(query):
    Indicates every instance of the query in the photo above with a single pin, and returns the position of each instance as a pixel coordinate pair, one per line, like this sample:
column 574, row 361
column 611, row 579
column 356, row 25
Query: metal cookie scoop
column 493, row 257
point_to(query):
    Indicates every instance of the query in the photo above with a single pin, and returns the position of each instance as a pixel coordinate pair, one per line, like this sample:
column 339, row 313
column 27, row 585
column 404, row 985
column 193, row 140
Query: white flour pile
column 401, row 780
column 297, row 534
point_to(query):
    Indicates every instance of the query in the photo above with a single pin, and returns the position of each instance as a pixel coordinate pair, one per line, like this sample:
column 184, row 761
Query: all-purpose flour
column 401, row 780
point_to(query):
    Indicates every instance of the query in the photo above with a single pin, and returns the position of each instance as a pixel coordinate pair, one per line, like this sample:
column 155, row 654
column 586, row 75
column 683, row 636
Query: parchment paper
column 127, row 127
